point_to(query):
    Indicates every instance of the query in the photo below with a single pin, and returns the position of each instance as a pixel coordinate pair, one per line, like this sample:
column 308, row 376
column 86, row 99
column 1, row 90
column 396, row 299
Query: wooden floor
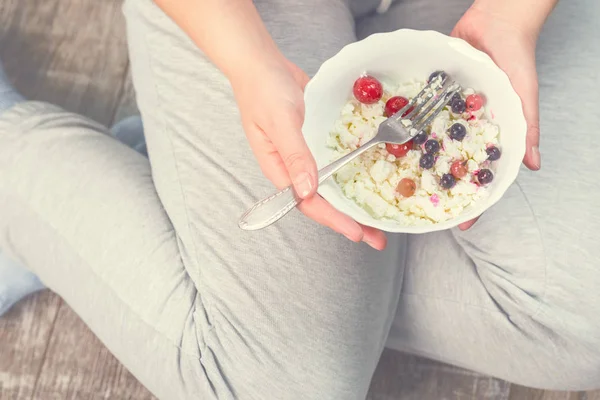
column 46, row 352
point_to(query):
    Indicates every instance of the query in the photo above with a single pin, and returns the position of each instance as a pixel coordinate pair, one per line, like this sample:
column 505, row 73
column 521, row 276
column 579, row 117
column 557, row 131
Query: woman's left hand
column 513, row 49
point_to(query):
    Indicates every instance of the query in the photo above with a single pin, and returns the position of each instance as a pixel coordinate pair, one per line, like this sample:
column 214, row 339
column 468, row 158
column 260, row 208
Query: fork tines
column 430, row 101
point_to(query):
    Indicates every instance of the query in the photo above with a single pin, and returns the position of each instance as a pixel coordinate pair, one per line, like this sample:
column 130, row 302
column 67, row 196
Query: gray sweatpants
column 150, row 256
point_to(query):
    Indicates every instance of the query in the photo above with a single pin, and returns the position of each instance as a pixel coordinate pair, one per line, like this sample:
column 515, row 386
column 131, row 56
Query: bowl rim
column 512, row 170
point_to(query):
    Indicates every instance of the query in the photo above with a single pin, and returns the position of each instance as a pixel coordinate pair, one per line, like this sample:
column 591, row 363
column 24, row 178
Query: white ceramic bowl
column 399, row 57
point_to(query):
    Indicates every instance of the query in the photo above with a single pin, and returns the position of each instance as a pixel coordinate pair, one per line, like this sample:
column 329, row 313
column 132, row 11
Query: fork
column 397, row 129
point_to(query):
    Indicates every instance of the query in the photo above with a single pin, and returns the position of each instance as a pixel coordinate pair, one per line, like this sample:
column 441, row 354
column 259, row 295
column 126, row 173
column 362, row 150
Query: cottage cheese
column 371, row 179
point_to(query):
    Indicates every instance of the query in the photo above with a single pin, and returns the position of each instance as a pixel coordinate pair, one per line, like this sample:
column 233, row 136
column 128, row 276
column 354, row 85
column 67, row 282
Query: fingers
column 466, row 225
column 315, row 207
column 287, row 138
column 525, row 82
column 283, row 155
column 533, row 158
column 530, row 100
column 299, row 74
column 322, row 212
column 374, row 238
column 301, row 77
column 304, row 79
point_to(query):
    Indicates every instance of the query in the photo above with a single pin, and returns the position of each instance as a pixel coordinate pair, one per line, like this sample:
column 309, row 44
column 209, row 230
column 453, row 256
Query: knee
column 568, row 313
column 556, row 313
column 569, row 368
column 314, row 365
column 565, row 340
column 565, row 333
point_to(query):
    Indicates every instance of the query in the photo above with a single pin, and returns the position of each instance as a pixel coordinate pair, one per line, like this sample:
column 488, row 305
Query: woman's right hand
column 269, row 92
column 270, row 97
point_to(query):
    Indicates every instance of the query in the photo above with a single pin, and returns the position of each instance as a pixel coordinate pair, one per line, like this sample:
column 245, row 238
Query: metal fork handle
column 272, row 208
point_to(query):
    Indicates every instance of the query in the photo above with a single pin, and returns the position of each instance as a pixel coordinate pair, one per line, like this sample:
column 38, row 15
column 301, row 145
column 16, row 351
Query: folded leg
column 517, row 295
column 149, row 254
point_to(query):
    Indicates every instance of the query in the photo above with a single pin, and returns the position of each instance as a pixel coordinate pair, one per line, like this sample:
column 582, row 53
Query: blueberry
column 456, row 97
column 458, row 131
column 427, row 160
column 436, row 74
column 493, row 153
column 447, row 181
column 432, row 146
column 458, row 106
column 485, row 176
column 420, row 138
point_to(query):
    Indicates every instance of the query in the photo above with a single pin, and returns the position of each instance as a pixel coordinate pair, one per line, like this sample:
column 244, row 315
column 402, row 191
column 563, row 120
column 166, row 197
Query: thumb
column 299, row 75
column 529, row 95
column 525, row 82
column 301, row 166
column 303, row 79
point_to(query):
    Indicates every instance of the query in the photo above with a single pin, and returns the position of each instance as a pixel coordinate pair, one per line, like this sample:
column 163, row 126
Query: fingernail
column 537, row 159
column 303, row 185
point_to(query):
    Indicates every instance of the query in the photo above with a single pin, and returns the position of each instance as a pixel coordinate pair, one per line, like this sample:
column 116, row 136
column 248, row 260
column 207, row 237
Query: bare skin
column 506, row 30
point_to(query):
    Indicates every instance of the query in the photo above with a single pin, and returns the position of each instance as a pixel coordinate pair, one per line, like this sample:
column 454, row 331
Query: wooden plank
column 67, row 52
column 24, row 334
column 78, row 366
column 592, row 395
column 54, row 51
column 404, row 377
column 522, row 393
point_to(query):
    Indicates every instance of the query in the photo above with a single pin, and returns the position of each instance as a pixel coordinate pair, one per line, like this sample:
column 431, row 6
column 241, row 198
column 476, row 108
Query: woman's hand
column 269, row 92
column 270, row 97
column 511, row 44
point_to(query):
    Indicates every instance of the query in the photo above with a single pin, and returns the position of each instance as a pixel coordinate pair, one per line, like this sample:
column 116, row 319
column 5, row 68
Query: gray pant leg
column 438, row 15
column 294, row 311
column 80, row 210
column 192, row 306
column 517, row 295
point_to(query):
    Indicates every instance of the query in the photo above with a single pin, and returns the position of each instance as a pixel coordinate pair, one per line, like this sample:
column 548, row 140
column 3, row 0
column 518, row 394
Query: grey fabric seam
column 206, row 302
column 185, row 205
column 537, row 225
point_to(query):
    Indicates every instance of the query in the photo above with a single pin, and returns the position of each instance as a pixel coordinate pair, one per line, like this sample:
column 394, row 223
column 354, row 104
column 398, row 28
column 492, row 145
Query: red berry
column 395, row 104
column 406, row 187
column 458, row 169
column 367, row 90
column 474, row 102
column 399, row 150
